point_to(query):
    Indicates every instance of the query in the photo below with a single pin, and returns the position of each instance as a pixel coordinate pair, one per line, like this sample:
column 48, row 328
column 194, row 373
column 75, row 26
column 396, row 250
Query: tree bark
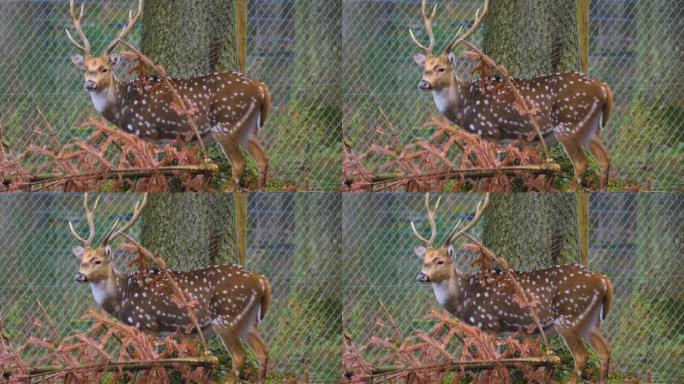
column 189, row 230
column 532, row 230
column 532, row 37
column 190, row 37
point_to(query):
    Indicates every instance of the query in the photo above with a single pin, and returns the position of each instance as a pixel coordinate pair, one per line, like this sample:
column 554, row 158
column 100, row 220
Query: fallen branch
column 205, row 169
column 544, row 361
column 140, row 365
column 512, row 170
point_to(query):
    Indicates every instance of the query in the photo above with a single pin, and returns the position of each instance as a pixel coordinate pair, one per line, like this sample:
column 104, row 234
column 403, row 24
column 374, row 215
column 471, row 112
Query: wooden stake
column 583, row 226
column 241, row 33
column 241, row 226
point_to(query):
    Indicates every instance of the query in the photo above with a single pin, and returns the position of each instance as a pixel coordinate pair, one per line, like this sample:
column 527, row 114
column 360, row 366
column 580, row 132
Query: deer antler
column 127, row 29
column 428, row 28
column 114, row 233
column 90, row 216
column 77, row 24
column 431, row 218
column 476, row 24
column 478, row 214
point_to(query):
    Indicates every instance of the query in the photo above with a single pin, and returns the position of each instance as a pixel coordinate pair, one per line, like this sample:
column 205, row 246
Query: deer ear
column 78, row 250
column 420, row 59
column 452, row 58
column 108, row 252
column 78, row 60
column 420, row 251
column 450, row 251
column 117, row 60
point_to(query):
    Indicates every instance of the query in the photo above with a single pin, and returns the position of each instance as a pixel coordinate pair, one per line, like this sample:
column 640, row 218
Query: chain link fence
column 288, row 240
column 302, row 136
column 634, row 46
column 635, row 239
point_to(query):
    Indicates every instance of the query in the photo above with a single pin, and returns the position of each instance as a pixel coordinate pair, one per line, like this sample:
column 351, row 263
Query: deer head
column 96, row 261
column 438, row 70
column 98, row 70
column 438, row 262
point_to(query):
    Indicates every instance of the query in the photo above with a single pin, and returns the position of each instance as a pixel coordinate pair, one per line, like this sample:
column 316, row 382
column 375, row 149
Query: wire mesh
column 635, row 239
column 302, row 137
column 289, row 240
column 633, row 46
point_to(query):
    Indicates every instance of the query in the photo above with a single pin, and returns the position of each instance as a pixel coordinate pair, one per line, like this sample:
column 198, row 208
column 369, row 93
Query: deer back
column 567, row 295
column 227, row 295
column 221, row 103
column 564, row 101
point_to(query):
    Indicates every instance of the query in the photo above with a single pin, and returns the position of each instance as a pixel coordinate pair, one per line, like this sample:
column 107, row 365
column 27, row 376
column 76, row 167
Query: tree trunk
column 532, row 37
column 532, row 230
column 190, row 230
column 190, row 37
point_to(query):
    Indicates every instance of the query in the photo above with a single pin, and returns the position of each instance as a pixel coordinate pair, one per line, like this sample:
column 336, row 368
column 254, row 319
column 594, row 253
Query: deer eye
column 441, row 69
column 441, row 262
column 103, row 70
column 97, row 262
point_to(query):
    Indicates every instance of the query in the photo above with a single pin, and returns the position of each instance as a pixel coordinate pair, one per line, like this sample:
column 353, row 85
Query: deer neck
column 449, row 293
column 449, row 101
column 106, row 102
column 108, row 292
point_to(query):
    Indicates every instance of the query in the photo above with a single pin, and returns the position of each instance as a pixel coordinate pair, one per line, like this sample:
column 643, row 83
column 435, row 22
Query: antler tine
column 455, row 234
column 127, row 29
column 90, row 217
column 476, row 24
column 431, row 219
column 137, row 210
column 428, row 28
column 77, row 25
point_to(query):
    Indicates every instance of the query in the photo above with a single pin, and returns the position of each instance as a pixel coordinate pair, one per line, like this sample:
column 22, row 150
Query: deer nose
column 80, row 278
column 423, row 278
column 90, row 85
column 424, row 85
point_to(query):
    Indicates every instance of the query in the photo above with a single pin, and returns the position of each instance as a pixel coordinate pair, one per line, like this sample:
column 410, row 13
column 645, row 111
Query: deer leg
column 259, row 155
column 259, row 347
column 237, row 161
column 574, row 151
column 231, row 341
column 601, row 154
column 599, row 344
column 573, row 340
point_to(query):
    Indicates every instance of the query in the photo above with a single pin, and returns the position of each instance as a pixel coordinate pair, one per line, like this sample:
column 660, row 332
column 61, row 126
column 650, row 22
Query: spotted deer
column 229, row 107
column 573, row 301
column 231, row 301
column 573, row 108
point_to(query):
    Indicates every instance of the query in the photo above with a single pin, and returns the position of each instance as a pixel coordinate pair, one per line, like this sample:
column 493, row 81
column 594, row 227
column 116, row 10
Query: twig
column 51, row 130
column 164, row 269
column 507, row 271
column 532, row 117
column 176, row 96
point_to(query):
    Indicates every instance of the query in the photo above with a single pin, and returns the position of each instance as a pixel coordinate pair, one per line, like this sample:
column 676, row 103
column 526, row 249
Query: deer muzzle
column 90, row 85
column 424, row 85
column 80, row 278
column 423, row 278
